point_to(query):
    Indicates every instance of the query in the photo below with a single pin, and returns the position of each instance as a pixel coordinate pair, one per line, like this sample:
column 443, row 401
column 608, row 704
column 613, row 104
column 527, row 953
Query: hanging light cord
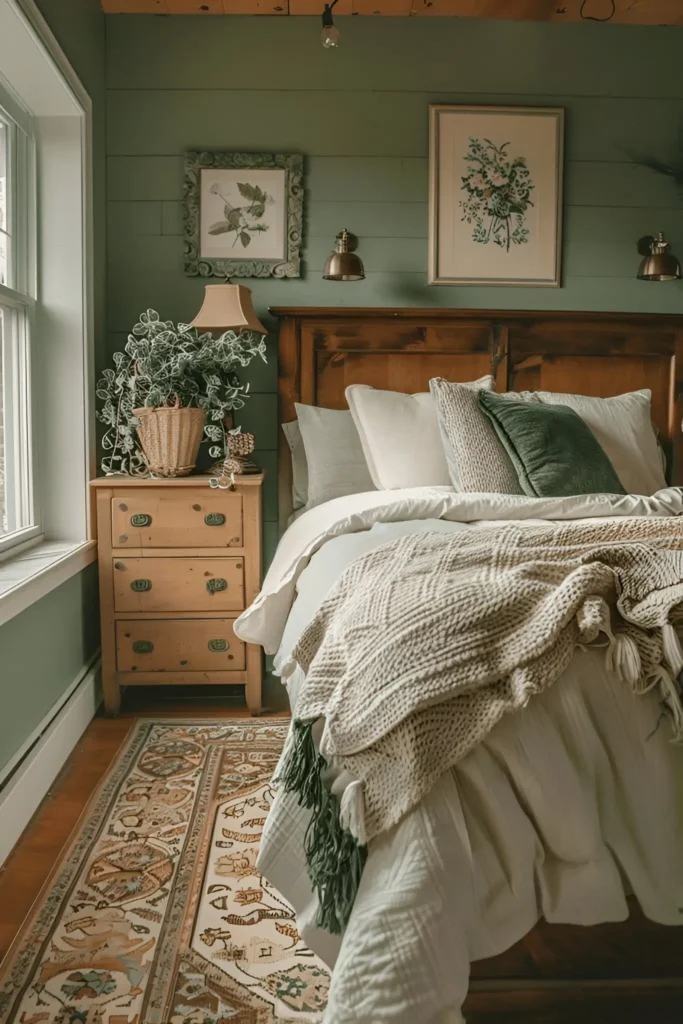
column 327, row 13
column 591, row 17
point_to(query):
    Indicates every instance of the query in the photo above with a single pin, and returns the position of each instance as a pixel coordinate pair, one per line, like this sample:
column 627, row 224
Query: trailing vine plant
column 172, row 366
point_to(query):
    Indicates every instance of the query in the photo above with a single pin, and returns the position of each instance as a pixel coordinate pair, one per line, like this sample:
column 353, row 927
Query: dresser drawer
column 178, row 645
column 180, row 518
column 178, row 584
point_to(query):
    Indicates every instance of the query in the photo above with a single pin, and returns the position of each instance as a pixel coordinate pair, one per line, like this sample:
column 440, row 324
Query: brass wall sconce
column 658, row 263
column 343, row 264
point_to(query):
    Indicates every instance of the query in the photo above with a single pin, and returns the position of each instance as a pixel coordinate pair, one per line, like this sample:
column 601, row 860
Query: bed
column 614, row 971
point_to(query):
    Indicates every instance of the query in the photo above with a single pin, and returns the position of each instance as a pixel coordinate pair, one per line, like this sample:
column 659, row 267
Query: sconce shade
column 343, row 264
column 659, row 264
column 227, row 307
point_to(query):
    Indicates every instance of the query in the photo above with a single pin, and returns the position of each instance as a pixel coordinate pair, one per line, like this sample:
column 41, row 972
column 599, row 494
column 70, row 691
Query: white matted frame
column 495, row 195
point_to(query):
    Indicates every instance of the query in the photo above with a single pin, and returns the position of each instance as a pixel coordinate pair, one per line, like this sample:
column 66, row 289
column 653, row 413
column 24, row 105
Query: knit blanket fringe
column 334, row 856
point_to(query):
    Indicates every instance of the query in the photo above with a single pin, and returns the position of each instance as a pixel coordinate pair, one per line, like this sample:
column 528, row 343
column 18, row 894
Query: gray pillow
column 335, row 463
column 476, row 460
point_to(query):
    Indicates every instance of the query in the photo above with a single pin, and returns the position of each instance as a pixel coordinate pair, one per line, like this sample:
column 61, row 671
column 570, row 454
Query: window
column 18, row 519
column 47, row 311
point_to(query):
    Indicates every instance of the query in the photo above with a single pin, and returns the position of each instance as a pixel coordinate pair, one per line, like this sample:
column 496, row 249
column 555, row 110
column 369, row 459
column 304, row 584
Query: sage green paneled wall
column 360, row 115
column 43, row 650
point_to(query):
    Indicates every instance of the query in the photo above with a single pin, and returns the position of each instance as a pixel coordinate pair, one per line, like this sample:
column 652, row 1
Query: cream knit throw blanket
column 425, row 643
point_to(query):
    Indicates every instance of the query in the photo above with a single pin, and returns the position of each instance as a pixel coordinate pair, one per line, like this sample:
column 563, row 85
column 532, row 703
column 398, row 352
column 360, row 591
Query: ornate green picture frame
column 243, row 214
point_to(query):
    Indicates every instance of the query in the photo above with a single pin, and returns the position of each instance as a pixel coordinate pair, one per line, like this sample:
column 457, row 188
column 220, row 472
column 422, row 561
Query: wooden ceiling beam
column 618, row 12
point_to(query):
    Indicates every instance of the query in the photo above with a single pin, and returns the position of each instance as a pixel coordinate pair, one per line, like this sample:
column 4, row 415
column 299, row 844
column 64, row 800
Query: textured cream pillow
column 623, row 428
column 400, row 436
column 477, row 461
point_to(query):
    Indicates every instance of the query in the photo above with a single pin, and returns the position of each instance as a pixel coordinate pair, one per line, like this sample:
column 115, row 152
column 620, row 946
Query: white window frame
column 39, row 82
column 19, row 296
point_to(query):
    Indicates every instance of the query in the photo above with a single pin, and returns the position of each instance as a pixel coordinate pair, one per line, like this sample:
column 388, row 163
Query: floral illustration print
column 245, row 221
column 498, row 194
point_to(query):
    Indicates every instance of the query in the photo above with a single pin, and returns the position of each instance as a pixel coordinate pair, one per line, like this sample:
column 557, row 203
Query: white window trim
column 20, row 297
column 40, row 562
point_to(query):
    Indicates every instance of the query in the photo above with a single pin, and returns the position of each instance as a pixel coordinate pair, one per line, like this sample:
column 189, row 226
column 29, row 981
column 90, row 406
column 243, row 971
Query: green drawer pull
column 141, row 519
column 140, row 585
column 216, row 584
column 218, row 645
column 143, row 646
column 214, row 519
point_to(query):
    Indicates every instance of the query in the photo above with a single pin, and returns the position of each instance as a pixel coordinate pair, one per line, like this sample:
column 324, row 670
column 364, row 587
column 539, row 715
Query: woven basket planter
column 170, row 439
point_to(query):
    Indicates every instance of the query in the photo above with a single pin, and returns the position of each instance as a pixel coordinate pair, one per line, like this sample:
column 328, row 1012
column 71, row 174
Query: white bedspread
column 555, row 814
column 264, row 621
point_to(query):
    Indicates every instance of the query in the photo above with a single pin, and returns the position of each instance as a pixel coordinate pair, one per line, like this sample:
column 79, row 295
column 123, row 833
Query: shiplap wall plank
column 342, row 121
column 473, row 57
column 360, row 116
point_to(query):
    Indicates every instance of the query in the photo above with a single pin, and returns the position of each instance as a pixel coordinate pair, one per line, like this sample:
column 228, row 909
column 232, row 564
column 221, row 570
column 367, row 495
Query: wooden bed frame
column 631, row 971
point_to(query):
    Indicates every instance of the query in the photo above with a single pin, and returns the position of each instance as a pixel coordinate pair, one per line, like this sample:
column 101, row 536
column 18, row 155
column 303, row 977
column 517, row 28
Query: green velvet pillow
column 553, row 451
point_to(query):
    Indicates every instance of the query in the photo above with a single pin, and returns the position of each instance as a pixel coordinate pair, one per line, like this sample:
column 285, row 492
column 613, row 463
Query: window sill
column 35, row 571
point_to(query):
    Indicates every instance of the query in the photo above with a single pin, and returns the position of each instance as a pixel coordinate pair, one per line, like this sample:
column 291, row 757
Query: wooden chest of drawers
column 178, row 562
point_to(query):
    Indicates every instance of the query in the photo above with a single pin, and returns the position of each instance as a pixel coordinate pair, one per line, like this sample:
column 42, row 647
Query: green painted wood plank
column 152, row 178
column 172, row 218
column 134, row 219
column 621, row 224
column 259, row 417
column 593, row 255
column 325, row 219
column 410, row 220
column 613, row 184
column 401, row 180
column 270, row 541
column 158, row 122
column 268, row 460
column 180, row 296
column 440, row 54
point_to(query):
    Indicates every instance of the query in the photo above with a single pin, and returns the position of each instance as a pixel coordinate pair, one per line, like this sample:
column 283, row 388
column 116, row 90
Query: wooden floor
column 564, row 987
column 26, row 869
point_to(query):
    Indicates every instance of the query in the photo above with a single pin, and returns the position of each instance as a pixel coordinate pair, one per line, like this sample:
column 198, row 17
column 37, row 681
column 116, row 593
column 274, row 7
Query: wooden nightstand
column 178, row 562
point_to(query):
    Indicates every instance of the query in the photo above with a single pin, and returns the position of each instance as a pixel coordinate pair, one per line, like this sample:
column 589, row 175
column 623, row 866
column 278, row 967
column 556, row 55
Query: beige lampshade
column 227, row 307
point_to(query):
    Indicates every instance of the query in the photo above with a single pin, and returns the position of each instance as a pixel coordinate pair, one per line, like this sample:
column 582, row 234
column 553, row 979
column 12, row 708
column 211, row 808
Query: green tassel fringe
column 334, row 858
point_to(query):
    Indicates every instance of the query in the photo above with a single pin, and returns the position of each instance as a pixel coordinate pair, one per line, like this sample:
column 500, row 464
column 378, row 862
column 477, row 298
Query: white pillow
column 477, row 461
column 292, row 432
column 400, row 436
column 623, row 428
column 334, row 456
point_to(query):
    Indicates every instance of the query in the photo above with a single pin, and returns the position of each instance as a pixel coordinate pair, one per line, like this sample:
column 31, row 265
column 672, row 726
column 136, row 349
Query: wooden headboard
column 323, row 350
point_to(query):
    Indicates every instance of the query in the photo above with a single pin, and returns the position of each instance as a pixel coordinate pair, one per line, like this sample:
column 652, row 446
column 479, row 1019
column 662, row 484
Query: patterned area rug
column 155, row 913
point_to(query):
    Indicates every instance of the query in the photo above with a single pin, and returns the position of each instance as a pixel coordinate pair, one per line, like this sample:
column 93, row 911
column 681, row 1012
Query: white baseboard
column 22, row 795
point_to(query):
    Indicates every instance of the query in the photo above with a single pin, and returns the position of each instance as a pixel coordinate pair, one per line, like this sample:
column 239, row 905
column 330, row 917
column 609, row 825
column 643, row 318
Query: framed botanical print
column 495, row 200
column 243, row 214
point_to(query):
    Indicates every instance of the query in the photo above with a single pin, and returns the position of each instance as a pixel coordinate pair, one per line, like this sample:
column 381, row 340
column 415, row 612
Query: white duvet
column 562, row 809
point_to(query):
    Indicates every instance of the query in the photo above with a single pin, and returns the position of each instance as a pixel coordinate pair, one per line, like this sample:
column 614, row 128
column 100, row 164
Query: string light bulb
column 330, row 34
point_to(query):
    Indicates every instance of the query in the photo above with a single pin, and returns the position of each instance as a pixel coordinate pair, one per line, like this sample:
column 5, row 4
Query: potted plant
column 169, row 388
